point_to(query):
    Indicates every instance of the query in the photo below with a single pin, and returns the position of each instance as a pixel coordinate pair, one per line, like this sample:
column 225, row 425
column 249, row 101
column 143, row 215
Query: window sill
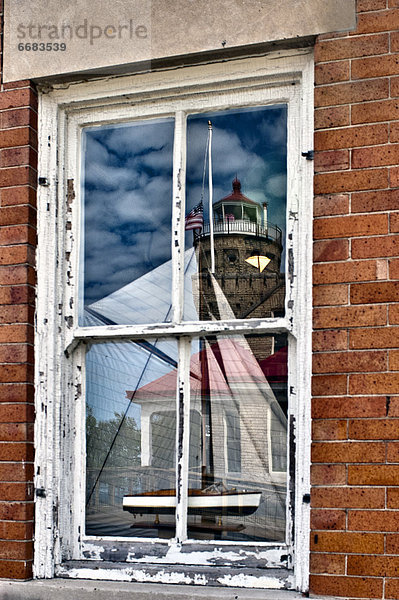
column 64, row 589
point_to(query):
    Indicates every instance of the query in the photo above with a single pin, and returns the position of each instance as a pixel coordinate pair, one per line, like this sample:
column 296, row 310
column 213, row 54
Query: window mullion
column 179, row 190
column 182, row 438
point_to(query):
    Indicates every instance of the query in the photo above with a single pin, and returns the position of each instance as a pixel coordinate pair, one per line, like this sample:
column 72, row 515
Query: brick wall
column 355, row 408
column 18, row 160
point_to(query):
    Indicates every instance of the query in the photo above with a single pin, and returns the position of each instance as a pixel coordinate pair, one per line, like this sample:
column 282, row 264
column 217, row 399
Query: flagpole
column 211, row 197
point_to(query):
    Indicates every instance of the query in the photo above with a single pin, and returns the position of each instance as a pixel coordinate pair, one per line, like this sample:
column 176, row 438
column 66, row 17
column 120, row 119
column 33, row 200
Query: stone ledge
column 66, row 589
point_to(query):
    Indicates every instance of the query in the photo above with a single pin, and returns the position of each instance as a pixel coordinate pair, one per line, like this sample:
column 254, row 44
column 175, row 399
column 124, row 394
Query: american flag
column 195, row 218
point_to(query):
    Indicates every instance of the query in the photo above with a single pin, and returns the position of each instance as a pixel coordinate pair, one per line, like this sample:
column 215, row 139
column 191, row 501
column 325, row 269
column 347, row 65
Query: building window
column 181, row 396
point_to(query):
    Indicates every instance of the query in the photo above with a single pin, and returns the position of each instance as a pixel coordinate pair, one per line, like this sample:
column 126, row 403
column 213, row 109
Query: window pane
column 130, row 438
column 126, row 264
column 246, row 277
column 239, row 388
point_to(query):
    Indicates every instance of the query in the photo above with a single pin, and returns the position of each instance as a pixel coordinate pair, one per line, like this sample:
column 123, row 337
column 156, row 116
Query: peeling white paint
column 130, row 574
column 279, row 77
column 250, row 581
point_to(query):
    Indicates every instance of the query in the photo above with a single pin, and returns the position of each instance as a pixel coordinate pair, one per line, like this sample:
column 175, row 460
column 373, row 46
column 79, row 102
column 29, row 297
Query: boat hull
column 234, row 504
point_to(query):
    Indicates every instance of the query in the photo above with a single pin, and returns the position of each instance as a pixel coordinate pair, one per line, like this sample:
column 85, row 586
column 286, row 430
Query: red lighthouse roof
column 237, row 195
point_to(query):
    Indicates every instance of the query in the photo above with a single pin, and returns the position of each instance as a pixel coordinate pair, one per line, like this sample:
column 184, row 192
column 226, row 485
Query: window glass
column 239, row 387
column 235, row 256
column 130, row 438
column 127, row 186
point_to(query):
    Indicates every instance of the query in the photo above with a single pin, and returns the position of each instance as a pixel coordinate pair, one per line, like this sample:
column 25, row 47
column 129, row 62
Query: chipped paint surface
column 247, row 581
column 60, row 345
column 130, row 574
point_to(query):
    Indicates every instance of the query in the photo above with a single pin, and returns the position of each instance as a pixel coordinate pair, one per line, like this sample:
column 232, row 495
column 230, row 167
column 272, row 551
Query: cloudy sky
column 128, row 186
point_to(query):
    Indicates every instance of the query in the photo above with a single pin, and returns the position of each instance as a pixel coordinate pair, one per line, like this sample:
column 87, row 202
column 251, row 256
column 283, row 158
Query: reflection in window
column 127, row 223
column 246, row 278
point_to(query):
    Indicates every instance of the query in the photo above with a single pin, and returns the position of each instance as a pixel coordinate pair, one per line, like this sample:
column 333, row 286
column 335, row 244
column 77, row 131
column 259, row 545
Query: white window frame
column 61, row 549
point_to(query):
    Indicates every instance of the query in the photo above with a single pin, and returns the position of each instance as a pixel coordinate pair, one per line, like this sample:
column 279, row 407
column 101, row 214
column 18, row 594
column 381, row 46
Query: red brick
column 16, row 511
column 10, row 550
column 338, row 204
column 18, row 117
column 17, row 234
column 11, row 392
column 394, row 314
column 394, row 87
column 16, row 333
column 361, row 407
column 327, row 475
column 372, row 520
column 349, row 316
column 17, row 176
column 351, row 137
column 380, row 337
column 344, row 272
column 352, row 47
column 330, row 340
column 327, row 563
column 329, row 429
column 15, row 472
column 16, row 413
column 393, row 498
column 392, row 542
column 375, row 201
column 373, row 22
column 332, row 72
column 332, row 160
column 347, row 362
column 21, row 136
column 393, row 3
column 347, row 93
column 348, row 497
column 375, row 66
column 329, row 385
column 326, row 295
column 15, row 432
column 348, row 452
column 15, row 275
column 374, row 429
column 366, row 5
column 394, row 177
column 19, row 97
column 374, row 475
column 16, row 492
column 392, row 589
column 394, row 268
column 20, row 313
column 13, row 569
column 394, row 225
column 17, row 195
column 374, row 247
column 367, row 293
column 351, row 226
column 394, row 132
column 386, row 566
column 394, row 360
column 372, row 112
column 327, row 519
column 330, row 183
column 376, row 383
column 16, row 373
column 337, row 541
column 16, row 353
column 330, row 250
column 337, row 116
column 14, row 255
column 393, row 452
column 15, row 215
column 17, row 294
column 11, row 157
column 376, row 156
column 16, row 531
column 16, row 451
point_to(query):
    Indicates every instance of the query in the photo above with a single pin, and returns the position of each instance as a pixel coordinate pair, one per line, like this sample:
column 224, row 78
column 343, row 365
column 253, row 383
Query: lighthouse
column 247, row 251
